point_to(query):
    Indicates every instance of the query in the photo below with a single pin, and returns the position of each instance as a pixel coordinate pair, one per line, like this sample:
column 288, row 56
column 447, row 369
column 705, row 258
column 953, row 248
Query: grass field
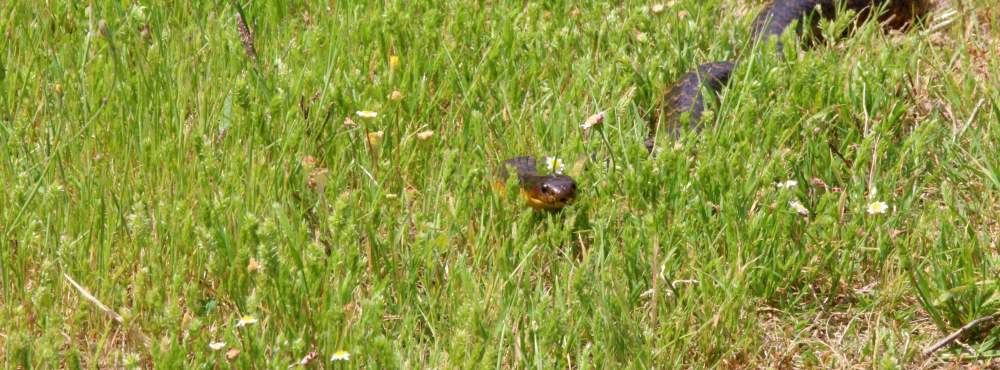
column 185, row 185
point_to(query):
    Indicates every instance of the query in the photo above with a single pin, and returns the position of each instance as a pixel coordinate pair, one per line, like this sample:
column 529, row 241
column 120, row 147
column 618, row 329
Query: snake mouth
column 541, row 202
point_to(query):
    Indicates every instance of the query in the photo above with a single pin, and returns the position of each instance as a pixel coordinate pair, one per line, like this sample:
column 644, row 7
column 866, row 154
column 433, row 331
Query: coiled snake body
column 685, row 99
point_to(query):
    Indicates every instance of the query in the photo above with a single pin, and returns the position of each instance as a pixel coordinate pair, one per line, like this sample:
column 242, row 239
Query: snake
column 682, row 106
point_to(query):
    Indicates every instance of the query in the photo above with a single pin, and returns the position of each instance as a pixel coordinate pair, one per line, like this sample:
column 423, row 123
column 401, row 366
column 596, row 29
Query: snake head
column 550, row 192
column 541, row 192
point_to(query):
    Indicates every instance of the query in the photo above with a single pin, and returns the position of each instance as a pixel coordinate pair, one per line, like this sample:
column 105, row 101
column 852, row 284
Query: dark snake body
column 685, row 99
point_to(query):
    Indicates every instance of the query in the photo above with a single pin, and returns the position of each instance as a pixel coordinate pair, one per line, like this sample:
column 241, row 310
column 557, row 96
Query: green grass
column 154, row 165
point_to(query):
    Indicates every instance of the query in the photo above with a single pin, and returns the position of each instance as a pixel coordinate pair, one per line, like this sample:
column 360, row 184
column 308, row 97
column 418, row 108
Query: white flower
column 593, row 120
column 425, row 135
column 138, row 12
column 555, row 165
column 787, row 184
column 340, row 355
column 246, row 320
column 798, row 207
column 215, row 346
column 280, row 66
column 366, row 114
column 612, row 16
column 877, row 207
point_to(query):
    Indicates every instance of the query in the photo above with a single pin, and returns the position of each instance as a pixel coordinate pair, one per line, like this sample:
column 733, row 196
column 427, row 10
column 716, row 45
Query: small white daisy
column 555, row 165
column 215, row 346
column 341, row 355
column 877, row 207
column 366, row 114
column 787, row 184
column 246, row 320
column 798, row 207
